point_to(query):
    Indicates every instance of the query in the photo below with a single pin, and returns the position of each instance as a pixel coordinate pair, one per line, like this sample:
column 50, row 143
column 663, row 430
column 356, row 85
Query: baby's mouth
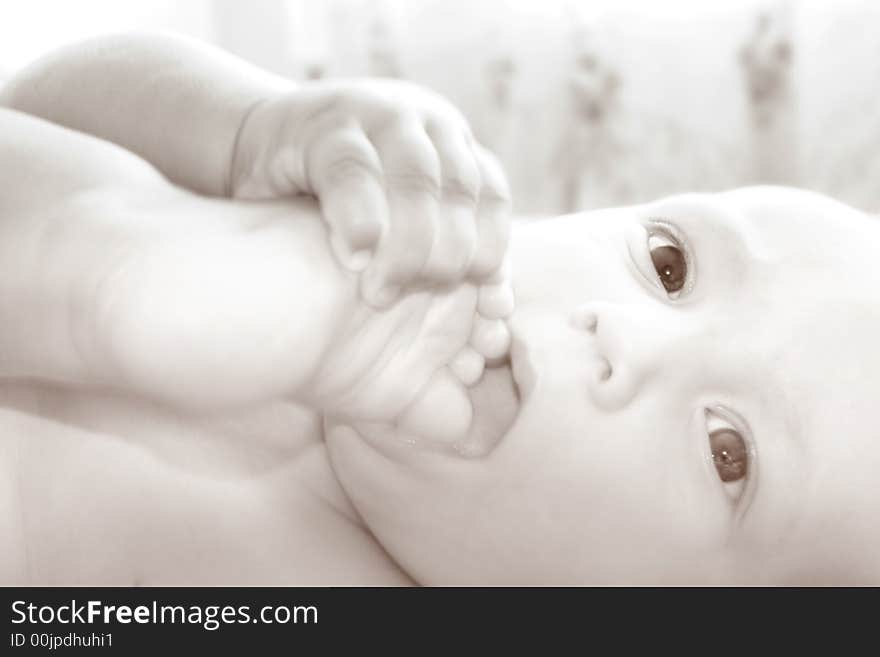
column 496, row 400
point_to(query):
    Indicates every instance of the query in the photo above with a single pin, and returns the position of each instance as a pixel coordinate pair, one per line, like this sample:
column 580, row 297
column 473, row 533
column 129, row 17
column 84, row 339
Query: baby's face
column 699, row 378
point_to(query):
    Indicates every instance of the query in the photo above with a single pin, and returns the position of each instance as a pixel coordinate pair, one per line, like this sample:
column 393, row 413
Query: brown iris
column 671, row 267
column 729, row 453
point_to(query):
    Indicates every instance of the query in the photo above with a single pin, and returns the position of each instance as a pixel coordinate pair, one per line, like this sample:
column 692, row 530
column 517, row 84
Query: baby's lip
column 522, row 368
column 497, row 399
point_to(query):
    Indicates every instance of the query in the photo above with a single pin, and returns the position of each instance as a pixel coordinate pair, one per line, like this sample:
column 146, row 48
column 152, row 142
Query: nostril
column 605, row 370
column 585, row 320
column 593, row 324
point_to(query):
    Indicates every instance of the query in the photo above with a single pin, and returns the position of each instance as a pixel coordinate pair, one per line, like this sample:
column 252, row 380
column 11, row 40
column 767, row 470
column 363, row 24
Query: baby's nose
column 586, row 319
column 632, row 345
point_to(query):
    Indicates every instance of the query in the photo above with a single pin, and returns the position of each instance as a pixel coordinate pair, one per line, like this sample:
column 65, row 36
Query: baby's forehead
column 788, row 213
column 807, row 312
column 816, row 273
column 825, row 281
column 806, row 242
column 809, row 302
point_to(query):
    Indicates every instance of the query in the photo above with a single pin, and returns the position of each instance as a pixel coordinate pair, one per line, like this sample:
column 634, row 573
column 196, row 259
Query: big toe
column 442, row 412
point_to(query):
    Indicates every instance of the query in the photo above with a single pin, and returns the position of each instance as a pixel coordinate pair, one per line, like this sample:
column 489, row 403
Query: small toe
column 495, row 301
column 467, row 366
column 490, row 337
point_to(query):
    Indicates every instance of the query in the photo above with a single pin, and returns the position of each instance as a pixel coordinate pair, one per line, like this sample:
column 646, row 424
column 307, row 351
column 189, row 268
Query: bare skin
column 153, row 383
column 604, row 477
column 114, row 491
column 132, row 305
column 635, row 399
column 166, row 442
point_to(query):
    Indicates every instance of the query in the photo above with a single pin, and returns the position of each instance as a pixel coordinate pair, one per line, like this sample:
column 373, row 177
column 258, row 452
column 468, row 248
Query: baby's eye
column 662, row 257
column 670, row 262
column 731, row 453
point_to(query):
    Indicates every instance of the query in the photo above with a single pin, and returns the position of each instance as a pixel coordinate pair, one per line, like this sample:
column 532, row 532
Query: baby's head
column 710, row 423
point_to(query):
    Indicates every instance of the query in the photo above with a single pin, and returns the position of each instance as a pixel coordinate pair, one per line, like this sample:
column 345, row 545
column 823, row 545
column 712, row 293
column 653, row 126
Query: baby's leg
column 51, row 248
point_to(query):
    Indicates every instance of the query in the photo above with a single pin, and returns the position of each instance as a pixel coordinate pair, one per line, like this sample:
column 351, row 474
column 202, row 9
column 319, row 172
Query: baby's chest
column 103, row 492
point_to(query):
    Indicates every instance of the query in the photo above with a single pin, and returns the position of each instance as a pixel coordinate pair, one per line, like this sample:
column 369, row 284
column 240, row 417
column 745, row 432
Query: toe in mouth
column 496, row 400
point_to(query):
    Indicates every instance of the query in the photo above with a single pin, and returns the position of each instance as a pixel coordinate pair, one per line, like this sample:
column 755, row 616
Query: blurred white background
column 587, row 102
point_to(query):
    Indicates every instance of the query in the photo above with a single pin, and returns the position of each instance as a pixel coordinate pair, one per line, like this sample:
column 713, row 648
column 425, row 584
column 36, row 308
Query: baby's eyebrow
column 729, row 226
column 706, row 220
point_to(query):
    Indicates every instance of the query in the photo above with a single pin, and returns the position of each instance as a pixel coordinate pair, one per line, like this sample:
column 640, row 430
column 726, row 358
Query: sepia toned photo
column 439, row 293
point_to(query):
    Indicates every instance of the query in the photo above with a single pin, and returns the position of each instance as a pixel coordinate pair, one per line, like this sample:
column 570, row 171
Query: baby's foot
column 442, row 412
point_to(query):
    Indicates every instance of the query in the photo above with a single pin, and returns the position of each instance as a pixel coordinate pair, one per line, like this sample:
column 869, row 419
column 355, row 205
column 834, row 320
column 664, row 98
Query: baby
column 411, row 202
column 687, row 399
